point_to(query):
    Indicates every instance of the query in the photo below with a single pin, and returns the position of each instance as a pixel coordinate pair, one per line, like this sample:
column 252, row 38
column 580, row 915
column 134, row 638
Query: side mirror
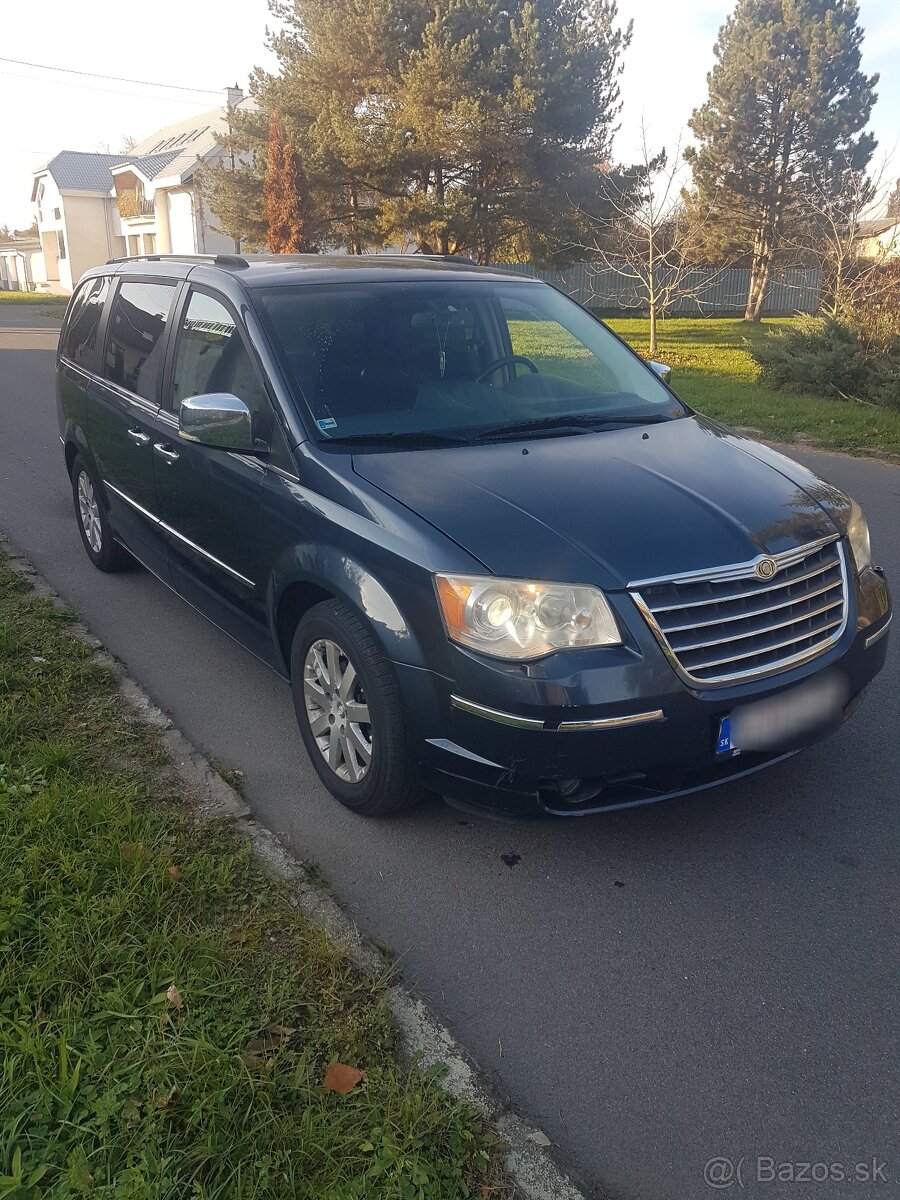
column 662, row 370
column 216, row 419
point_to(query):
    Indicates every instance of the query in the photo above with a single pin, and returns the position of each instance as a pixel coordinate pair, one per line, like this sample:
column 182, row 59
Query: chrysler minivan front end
column 493, row 553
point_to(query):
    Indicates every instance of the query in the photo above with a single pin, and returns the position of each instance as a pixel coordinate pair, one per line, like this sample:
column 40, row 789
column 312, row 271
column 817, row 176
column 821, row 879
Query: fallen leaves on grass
column 342, row 1079
column 166, row 1098
column 134, row 851
column 260, row 1049
column 174, row 997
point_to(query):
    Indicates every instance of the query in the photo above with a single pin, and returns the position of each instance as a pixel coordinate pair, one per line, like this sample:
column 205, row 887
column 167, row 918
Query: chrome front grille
column 727, row 624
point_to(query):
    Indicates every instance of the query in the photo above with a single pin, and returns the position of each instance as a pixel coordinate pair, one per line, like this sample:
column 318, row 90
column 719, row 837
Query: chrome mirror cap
column 662, row 370
column 216, row 419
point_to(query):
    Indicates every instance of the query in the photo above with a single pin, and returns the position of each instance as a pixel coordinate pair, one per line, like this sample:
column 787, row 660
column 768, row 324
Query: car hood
column 611, row 507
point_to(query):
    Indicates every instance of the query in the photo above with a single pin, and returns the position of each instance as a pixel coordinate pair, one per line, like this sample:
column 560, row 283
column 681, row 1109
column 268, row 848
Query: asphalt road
column 707, row 977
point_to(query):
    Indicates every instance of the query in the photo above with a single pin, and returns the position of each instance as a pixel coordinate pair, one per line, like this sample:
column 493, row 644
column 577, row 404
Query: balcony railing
column 134, row 203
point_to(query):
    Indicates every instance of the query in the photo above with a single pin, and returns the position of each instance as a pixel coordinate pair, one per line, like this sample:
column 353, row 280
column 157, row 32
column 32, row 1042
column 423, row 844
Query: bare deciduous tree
column 840, row 209
column 649, row 234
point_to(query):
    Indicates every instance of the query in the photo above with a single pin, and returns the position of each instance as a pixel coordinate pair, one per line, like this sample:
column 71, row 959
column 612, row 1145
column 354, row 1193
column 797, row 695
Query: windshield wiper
column 574, row 423
column 404, row 437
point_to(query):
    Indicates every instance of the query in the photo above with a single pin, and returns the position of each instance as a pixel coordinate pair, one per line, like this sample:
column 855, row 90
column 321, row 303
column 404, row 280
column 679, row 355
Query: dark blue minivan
column 492, row 551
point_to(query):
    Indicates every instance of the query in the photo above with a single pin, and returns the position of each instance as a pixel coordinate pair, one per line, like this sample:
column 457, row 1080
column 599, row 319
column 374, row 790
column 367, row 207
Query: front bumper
column 612, row 728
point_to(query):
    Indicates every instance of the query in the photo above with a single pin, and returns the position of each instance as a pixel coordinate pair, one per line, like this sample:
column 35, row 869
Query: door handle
column 138, row 435
column 165, row 451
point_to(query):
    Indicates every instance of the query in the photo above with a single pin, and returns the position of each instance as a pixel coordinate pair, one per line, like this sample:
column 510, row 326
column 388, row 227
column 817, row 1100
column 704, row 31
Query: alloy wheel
column 89, row 511
column 337, row 710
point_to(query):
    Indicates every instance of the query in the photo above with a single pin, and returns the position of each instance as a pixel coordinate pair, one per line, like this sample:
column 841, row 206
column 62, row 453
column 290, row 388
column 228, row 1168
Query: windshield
column 456, row 361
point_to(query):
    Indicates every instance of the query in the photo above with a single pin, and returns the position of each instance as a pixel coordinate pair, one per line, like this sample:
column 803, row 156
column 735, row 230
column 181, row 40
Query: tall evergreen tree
column 893, row 204
column 463, row 125
column 787, row 98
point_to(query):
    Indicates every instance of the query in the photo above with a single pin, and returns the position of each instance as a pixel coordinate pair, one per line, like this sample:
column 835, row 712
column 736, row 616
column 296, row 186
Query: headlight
column 514, row 618
column 858, row 536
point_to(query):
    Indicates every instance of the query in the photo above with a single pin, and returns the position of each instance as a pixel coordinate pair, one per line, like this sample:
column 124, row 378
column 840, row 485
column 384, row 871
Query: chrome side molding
column 217, row 562
column 517, row 722
column 622, row 722
column 494, row 714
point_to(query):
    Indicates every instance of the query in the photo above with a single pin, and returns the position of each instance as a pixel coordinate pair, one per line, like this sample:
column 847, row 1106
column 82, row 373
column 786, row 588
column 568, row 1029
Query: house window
column 149, row 243
column 134, row 244
column 60, row 244
column 56, row 214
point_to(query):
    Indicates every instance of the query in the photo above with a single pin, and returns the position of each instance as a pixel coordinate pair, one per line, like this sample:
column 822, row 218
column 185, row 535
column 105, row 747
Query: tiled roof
column 195, row 134
column 82, row 171
column 149, row 165
column 188, row 140
column 171, row 151
column 880, row 225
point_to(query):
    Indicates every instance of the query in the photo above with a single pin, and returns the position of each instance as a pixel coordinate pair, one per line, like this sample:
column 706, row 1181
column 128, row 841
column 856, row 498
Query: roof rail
column 217, row 260
column 454, row 258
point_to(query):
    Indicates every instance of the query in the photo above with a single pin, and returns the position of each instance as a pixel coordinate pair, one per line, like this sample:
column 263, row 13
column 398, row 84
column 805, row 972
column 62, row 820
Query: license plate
column 778, row 720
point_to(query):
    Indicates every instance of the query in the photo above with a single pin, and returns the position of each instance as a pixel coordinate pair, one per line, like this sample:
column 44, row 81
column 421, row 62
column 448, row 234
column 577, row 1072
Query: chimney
column 233, row 97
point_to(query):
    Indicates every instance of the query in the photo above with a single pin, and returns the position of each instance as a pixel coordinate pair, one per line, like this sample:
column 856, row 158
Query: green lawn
column 166, row 1018
column 713, row 371
column 33, row 298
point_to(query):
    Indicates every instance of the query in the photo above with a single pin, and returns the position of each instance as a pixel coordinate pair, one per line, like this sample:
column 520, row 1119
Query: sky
column 201, row 46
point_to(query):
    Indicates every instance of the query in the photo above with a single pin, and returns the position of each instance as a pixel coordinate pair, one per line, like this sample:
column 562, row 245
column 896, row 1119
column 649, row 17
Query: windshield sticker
column 327, row 423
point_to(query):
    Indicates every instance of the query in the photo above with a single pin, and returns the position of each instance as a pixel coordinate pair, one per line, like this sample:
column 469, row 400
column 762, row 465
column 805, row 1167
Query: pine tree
column 466, row 126
column 786, row 99
column 506, row 108
column 893, row 204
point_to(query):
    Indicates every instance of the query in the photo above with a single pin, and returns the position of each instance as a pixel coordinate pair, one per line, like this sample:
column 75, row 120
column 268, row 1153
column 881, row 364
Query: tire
column 332, row 643
column 93, row 521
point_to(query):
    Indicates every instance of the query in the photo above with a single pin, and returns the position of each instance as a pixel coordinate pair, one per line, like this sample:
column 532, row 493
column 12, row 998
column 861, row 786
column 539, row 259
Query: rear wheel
column 93, row 523
column 350, row 712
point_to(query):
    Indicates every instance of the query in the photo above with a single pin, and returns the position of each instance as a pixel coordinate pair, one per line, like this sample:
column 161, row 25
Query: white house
column 21, row 264
column 880, row 239
column 92, row 207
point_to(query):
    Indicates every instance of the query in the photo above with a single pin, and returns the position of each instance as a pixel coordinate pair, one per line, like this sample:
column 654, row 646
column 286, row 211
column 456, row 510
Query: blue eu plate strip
column 723, row 745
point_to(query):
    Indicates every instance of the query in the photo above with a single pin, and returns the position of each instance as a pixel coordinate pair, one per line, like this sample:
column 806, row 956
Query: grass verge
column 713, row 371
column 166, row 1017
column 59, row 302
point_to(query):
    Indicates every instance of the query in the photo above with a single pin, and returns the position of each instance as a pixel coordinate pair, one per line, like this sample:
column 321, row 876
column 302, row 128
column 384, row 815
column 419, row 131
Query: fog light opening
column 569, row 794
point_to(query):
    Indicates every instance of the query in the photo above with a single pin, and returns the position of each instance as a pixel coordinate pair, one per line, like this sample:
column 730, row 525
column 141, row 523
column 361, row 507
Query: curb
column 528, row 1162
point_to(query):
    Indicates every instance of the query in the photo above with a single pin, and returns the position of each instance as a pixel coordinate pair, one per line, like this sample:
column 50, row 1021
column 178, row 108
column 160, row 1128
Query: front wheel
column 350, row 712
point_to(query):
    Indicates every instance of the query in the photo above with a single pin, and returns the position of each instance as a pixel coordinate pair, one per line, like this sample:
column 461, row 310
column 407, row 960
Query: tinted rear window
column 134, row 342
column 80, row 339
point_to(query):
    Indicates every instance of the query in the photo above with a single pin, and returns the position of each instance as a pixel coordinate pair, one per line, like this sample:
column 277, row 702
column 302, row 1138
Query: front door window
column 212, row 357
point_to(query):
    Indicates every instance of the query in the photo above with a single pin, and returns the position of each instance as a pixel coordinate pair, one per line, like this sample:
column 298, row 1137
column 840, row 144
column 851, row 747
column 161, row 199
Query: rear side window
column 134, row 342
column 80, row 339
